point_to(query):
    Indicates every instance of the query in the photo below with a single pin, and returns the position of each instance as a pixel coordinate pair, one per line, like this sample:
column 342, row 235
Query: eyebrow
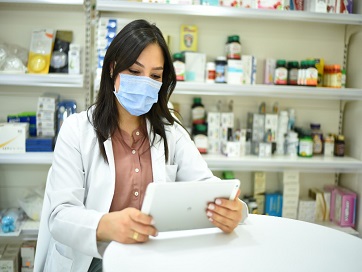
column 154, row 68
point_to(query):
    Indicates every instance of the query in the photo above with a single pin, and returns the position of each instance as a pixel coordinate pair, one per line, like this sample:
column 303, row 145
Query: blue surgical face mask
column 137, row 94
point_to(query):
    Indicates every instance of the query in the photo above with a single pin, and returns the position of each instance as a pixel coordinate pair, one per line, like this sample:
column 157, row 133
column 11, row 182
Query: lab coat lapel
column 157, row 156
column 109, row 152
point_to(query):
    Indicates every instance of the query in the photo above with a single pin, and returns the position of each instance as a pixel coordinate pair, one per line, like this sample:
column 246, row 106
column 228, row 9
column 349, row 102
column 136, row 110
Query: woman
column 106, row 156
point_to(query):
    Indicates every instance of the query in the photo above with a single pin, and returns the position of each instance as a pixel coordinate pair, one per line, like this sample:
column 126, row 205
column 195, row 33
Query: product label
column 233, row 50
column 201, row 143
column 198, row 115
column 179, row 70
column 281, row 75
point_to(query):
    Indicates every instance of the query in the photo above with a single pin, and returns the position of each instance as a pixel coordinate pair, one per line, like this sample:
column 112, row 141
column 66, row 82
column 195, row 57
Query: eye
column 132, row 71
column 156, row 77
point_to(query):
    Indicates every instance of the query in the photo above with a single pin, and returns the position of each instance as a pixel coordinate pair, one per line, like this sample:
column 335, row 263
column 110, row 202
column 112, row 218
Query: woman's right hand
column 128, row 226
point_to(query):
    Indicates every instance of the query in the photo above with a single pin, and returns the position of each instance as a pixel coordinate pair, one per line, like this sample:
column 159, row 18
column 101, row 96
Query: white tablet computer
column 182, row 205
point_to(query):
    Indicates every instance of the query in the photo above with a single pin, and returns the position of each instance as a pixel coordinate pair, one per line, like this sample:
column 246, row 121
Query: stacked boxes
column 46, row 121
column 229, row 147
column 10, row 258
column 214, row 132
column 259, row 190
column 290, row 194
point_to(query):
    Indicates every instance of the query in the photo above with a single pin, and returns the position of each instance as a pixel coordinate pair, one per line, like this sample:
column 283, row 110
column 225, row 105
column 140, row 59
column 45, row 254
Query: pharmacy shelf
column 229, row 12
column 317, row 164
column 219, row 162
column 47, row 80
column 50, row 2
column 194, row 88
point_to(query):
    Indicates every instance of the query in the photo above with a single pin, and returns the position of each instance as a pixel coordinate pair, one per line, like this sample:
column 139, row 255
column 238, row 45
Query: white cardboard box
column 13, row 137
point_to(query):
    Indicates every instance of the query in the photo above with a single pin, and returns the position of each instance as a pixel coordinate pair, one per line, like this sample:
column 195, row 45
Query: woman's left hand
column 225, row 214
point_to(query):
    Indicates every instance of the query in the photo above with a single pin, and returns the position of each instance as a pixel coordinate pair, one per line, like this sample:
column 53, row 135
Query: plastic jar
column 336, row 76
column 317, row 136
column 220, row 69
column 292, row 143
column 305, row 146
column 328, row 149
column 339, row 146
column 311, row 74
column 233, row 47
column 179, row 66
column 293, row 68
column 199, row 135
column 198, row 112
column 210, row 72
column 281, row 73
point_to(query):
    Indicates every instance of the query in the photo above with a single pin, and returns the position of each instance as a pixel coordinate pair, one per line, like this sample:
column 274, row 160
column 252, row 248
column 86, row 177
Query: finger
column 142, row 218
column 220, row 225
column 234, row 205
column 138, row 237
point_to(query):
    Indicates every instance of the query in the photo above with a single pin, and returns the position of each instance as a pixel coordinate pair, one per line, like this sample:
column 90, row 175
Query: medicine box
column 306, row 210
column 13, row 137
column 316, row 5
column 234, row 73
column 249, row 69
column 230, row 3
column 256, row 122
column 10, row 259
column 259, row 183
column 270, row 4
column 271, row 127
column 195, row 66
column 269, row 71
column 344, row 207
column 27, row 253
column 273, row 204
column 189, row 38
column 320, row 205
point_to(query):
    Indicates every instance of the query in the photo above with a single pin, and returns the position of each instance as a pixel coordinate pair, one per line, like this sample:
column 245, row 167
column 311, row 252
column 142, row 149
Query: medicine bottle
column 293, row 68
column 179, row 66
column 317, row 136
column 339, row 146
column 311, row 74
column 281, row 73
column 220, row 69
column 328, row 148
column 233, row 47
column 306, row 146
column 199, row 135
column 336, row 76
column 210, row 72
column 198, row 112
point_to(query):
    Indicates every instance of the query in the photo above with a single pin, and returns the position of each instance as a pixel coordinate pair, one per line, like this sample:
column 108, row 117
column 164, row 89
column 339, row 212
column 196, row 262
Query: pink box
column 344, row 207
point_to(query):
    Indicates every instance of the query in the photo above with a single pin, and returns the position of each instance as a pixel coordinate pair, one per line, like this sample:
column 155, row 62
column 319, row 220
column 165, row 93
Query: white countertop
column 262, row 243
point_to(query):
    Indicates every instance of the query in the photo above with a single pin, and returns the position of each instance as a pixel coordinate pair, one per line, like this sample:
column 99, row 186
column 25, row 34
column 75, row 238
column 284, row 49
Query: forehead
column 151, row 56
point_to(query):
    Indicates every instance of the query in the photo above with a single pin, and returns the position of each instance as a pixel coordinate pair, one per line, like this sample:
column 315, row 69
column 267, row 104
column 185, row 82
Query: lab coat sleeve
column 70, row 223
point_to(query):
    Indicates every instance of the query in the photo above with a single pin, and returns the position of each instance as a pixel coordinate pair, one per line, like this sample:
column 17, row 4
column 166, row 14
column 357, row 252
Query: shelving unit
column 215, row 162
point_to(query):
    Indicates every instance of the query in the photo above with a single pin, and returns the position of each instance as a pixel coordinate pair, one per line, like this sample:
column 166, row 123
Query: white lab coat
column 80, row 190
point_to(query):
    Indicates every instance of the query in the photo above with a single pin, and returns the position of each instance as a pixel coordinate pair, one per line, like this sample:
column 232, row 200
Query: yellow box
column 188, row 38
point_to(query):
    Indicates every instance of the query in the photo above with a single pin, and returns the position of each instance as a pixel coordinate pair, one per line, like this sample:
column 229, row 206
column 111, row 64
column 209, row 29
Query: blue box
column 274, row 204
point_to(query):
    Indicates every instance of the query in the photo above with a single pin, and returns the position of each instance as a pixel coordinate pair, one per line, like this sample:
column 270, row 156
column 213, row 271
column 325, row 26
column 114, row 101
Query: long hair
column 121, row 54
